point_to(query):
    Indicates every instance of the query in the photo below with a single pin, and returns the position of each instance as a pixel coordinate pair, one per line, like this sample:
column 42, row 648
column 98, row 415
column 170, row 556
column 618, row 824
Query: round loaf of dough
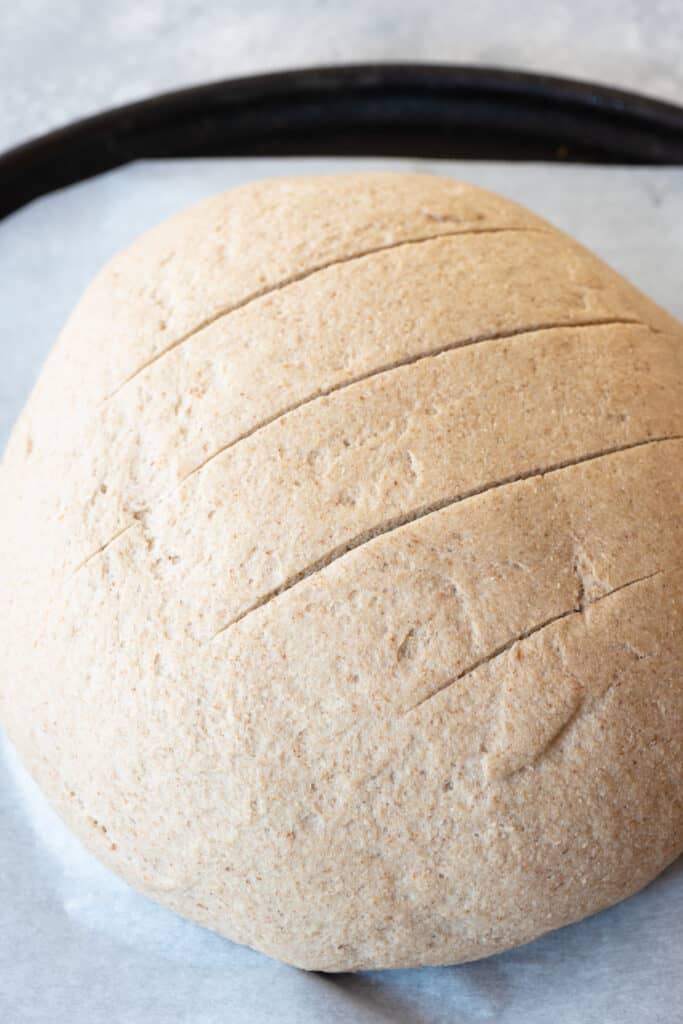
column 342, row 562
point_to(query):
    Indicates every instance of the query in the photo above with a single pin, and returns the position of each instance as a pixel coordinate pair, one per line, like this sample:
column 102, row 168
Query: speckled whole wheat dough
column 342, row 562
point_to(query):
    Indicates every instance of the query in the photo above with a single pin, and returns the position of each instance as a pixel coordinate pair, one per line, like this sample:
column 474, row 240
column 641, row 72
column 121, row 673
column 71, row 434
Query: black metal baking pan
column 412, row 110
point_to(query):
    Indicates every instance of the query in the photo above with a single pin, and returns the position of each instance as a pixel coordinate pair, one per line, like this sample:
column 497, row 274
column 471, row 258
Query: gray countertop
column 63, row 59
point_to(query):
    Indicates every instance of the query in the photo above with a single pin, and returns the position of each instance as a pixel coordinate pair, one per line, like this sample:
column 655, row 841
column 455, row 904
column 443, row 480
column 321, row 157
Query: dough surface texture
column 341, row 549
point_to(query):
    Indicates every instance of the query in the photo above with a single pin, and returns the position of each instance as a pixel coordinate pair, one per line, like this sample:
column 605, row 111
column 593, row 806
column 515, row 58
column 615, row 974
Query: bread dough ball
column 342, row 561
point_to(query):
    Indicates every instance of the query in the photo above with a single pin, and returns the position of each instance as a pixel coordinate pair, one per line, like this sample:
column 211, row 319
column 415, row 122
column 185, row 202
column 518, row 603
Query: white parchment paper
column 76, row 944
